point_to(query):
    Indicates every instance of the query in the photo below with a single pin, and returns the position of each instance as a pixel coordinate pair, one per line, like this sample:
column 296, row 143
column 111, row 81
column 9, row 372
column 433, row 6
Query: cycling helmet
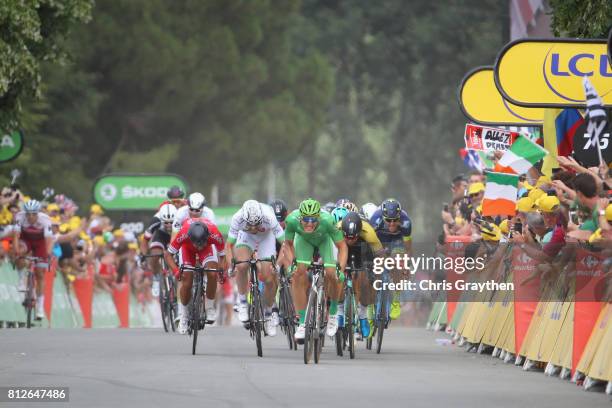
column 391, row 208
column 349, row 205
column 196, row 201
column 369, row 209
column 352, row 225
column 339, row 213
column 280, row 209
column 198, row 233
column 329, row 207
column 175, row 193
column 167, row 212
column 310, row 207
column 340, row 202
column 252, row 212
column 32, row 206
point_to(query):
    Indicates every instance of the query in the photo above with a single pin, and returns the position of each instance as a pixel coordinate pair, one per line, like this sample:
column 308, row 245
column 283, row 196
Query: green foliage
column 581, row 19
column 32, row 32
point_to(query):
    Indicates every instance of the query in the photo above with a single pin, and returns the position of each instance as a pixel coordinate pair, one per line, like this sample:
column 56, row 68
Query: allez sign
column 488, row 139
column 549, row 72
column 134, row 192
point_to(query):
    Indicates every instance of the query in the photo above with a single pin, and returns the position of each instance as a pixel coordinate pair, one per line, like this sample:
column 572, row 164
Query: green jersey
column 325, row 228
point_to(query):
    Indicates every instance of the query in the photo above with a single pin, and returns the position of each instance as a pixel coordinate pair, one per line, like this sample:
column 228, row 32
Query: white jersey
column 38, row 230
column 269, row 224
column 183, row 213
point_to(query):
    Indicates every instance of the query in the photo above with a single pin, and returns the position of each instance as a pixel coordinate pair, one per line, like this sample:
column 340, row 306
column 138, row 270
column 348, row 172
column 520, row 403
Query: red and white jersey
column 182, row 241
column 40, row 229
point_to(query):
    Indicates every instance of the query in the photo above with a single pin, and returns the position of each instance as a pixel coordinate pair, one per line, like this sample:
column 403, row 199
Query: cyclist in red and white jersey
column 32, row 235
column 199, row 243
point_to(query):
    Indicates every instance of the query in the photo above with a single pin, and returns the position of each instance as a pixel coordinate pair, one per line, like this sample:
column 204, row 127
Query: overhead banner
column 482, row 103
column 488, row 139
column 549, row 73
column 134, row 192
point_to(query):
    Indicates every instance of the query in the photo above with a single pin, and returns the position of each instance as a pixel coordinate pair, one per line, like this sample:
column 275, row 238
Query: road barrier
column 559, row 325
column 75, row 305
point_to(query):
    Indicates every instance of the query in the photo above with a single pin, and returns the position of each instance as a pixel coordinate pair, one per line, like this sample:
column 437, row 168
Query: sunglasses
column 310, row 220
column 474, row 195
column 195, row 210
column 391, row 220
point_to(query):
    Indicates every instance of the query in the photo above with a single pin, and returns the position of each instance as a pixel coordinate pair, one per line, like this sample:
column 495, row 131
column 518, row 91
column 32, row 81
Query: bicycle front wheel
column 349, row 312
column 257, row 319
column 163, row 304
column 195, row 315
column 381, row 319
column 311, row 323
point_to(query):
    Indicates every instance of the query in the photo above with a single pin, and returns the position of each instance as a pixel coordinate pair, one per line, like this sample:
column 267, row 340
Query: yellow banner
column 549, row 73
column 482, row 103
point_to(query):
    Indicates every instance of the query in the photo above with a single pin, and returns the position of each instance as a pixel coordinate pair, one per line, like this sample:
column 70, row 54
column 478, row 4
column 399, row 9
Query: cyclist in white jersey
column 255, row 228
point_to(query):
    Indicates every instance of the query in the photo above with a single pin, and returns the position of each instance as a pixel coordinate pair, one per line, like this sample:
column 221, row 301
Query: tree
column 581, row 19
column 33, row 31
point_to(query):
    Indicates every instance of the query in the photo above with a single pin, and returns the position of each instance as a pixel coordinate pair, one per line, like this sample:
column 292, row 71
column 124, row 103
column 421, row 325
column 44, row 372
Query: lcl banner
column 549, row 73
column 482, row 103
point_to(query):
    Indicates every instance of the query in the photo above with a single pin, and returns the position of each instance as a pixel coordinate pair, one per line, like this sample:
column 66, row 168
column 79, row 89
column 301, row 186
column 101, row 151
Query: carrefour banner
column 482, row 103
column 549, row 73
column 134, row 192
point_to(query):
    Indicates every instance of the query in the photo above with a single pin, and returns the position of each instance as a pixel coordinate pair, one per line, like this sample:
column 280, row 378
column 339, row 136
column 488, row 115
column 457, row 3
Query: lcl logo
column 579, row 65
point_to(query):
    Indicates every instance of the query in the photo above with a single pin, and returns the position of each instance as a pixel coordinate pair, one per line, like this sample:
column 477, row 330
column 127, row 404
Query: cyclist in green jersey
column 308, row 228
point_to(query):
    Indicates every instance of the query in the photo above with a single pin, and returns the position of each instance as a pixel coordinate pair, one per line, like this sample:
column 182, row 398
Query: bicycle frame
column 197, row 318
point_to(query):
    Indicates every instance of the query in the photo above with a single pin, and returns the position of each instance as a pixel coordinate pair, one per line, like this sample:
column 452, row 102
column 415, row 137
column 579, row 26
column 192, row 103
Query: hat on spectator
column 53, row 207
column 548, row 204
column 525, row 205
column 95, row 209
column 609, row 212
column 476, row 188
column 133, row 245
column 535, row 194
column 118, row 233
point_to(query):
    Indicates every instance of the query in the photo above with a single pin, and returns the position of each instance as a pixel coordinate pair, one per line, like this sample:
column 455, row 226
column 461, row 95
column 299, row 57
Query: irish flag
column 521, row 156
column 500, row 194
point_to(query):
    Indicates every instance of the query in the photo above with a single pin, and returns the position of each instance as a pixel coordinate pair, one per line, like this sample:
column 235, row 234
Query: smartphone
column 518, row 227
column 445, row 207
column 573, row 218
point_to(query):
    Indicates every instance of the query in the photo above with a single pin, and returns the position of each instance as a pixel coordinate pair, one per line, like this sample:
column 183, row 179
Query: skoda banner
column 134, row 192
column 482, row 103
column 549, row 73
column 11, row 144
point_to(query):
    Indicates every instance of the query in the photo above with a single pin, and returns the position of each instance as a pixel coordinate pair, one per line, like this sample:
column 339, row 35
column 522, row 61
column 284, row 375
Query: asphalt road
column 147, row 368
